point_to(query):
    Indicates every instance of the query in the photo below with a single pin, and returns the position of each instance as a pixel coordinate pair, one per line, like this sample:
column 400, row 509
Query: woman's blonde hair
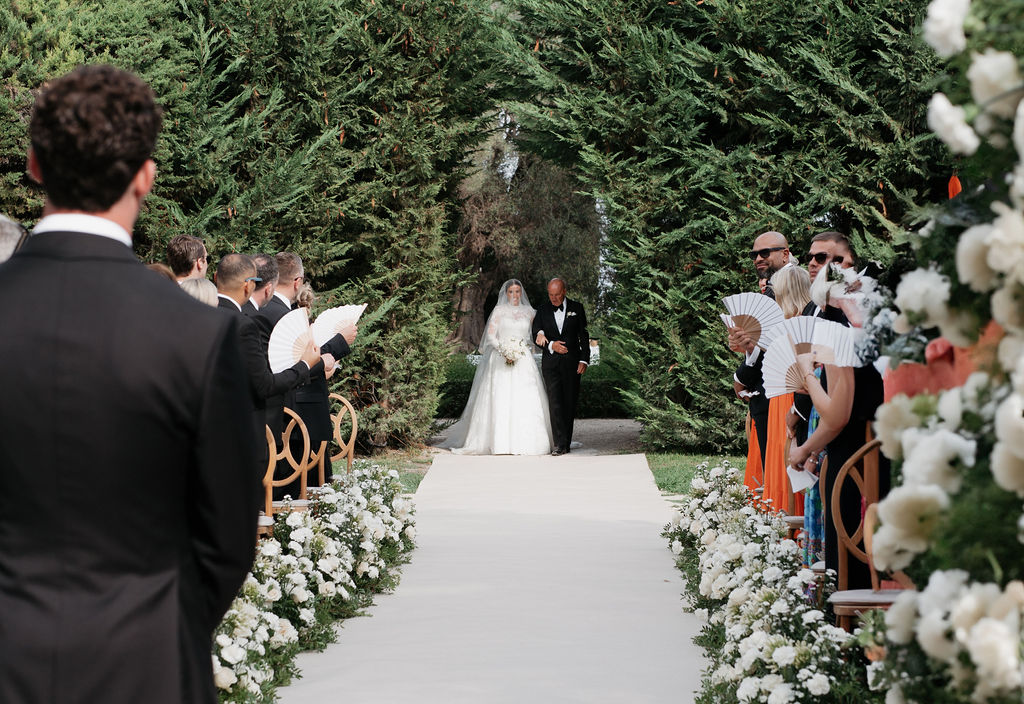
column 792, row 286
column 202, row 290
column 305, row 296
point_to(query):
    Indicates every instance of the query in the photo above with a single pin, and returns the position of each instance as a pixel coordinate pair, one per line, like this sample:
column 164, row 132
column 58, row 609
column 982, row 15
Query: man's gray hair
column 560, row 280
column 12, row 235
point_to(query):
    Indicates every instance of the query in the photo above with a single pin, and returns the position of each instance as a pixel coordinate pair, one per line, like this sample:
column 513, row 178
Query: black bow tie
column 561, row 307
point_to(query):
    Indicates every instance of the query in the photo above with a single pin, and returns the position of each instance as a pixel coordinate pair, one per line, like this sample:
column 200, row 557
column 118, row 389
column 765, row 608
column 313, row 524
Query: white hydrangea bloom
column 972, row 259
column 929, row 457
column 1006, row 242
column 1007, row 469
column 995, row 82
column 891, row 420
column 944, row 26
column 949, row 123
column 924, row 292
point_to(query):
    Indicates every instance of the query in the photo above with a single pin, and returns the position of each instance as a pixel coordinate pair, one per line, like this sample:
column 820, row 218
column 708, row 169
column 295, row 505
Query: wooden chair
column 265, row 522
column 862, row 470
column 299, row 468
column 346, row 449
column 850, row 604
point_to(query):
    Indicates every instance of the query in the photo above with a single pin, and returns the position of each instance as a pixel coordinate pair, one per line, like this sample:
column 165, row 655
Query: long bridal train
column 507, row 410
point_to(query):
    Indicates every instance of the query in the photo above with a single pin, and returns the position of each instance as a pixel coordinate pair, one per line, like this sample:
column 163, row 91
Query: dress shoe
column 557, row 451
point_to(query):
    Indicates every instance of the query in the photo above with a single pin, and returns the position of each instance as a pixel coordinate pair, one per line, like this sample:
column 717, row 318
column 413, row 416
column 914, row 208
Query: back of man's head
column 182, row 253
column 289, row 267
column 266, row 269
column 91, row 131
column 232, row 271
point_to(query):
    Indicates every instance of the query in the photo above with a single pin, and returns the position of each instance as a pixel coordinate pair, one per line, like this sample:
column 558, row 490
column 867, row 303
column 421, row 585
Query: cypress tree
column 699, row 125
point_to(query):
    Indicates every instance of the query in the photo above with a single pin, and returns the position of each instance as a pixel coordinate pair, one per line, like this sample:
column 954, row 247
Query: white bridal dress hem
column 507, row 411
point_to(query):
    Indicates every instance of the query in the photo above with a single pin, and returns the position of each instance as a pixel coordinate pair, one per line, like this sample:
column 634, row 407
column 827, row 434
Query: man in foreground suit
column 127, row 496
column 560, row 329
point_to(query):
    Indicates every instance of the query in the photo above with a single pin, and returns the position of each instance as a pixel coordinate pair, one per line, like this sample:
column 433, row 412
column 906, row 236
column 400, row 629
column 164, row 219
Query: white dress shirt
column 79, row 222
column 284, row 299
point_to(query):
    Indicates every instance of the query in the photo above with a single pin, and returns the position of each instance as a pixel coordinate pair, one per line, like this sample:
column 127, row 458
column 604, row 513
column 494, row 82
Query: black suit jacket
column 752, row 377
column 127, row 496
column 574, row 333
column 269, row 315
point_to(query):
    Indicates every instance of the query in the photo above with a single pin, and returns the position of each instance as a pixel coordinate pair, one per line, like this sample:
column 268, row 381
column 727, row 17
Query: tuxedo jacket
column 752, row 377
column 574, row 334
column 128, row 501
column 269, row 315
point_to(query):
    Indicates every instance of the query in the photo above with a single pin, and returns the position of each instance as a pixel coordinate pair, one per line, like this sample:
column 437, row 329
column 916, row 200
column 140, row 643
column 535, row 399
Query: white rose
column 995, row 650
column 944, row 26
column 1006, row 242
column 1008, row 308
column 748, row 689
column 891, row 419
column 929, row 460
column 786, row 655
column 972, row 259
column 995, row 82
column 914, row 510
column 818, row 685
column 1010, row 424
column 232, row 654
column 307, row 615
column 812, row 616
column 1007, row 469
column 971, row 607
column 944, row 587
column 270, row 548
column 299, row 595
column 677, row 547
column 410, row 532
column 294, row 519
column 900, row 618
column 1011, row 351
column 328, row 589
column 948, row 122
column 781, row 694
column 223, row 640
column 951, row 407
column 934, row 637
column 373, row 572
column 224, row 677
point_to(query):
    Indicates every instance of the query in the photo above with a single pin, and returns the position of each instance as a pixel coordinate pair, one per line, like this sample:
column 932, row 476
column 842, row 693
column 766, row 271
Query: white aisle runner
column 535, row 580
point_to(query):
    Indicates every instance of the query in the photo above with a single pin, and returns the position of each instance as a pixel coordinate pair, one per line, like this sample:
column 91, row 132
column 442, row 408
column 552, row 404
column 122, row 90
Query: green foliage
column 699, row 125
column 336, row 130
column 673, row 472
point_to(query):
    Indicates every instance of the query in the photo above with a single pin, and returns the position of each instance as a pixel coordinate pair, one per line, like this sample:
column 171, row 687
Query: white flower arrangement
column 513, row 349
column 318, row 565
column 778, row 646
column 944, row 26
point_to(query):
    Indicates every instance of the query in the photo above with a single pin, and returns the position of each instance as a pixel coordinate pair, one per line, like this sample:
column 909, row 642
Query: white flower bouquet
column 513, row 350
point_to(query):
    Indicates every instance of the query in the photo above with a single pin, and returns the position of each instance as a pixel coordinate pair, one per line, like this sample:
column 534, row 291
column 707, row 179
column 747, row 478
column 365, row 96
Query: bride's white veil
column 505, row 306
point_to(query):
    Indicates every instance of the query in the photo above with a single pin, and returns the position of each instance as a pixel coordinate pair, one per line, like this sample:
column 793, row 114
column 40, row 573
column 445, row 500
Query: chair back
column 346, row 447
column 299, row 467
column 858, row 470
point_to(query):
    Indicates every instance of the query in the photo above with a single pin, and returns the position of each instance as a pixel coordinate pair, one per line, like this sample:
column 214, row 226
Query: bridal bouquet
column 513, row 350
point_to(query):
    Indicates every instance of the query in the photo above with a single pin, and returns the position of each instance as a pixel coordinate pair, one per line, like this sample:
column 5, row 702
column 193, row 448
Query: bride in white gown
column 507, row 411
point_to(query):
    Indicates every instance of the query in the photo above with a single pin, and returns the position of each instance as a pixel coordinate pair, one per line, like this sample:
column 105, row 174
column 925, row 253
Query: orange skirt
column 776, row 482
column 753, row 476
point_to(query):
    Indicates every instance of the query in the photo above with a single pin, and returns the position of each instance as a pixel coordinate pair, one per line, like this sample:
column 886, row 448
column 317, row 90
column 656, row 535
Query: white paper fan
column 288, row 339
column 833, row 343
column 756, row 314
column 334, row 320
column 780, row 371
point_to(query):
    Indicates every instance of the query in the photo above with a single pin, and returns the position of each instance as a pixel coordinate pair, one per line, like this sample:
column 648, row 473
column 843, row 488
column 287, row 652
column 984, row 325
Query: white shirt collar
column 233, row 301
column 79, row 222
column 278, row 294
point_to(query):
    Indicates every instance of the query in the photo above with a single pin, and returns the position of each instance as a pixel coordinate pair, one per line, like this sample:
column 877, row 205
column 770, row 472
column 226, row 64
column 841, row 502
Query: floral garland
column 319, row 566
column 766, row 633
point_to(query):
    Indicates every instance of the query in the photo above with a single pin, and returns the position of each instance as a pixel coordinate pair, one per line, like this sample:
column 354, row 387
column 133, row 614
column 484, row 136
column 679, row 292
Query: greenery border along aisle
column 319, row 566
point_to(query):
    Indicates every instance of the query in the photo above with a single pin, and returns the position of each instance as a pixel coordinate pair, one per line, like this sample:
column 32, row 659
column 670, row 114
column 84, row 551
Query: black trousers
column 562, row 383
column 761, row 426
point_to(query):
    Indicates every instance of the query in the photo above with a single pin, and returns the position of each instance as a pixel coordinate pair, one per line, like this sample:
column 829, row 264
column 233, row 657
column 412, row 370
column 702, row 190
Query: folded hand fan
column 288, row 339
column 756, row 314
column 334, row 320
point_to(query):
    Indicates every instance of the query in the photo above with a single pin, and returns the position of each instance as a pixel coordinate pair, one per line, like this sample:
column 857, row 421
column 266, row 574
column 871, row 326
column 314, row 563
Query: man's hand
column 310, row 355
column 559, row 347
column 737, row 387
column 580, row 368
column 329, row 362
column 349, row 332
column 741, row 341
column 541, row 340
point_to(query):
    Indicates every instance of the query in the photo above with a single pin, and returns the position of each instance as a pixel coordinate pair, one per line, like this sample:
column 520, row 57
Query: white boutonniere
column 571, row 313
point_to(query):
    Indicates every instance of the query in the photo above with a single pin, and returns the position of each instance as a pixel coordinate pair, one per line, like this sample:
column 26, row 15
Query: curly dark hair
column 92, row 130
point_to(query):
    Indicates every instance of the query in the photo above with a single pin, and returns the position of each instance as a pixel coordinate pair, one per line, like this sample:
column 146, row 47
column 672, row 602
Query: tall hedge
column 701, row 124
column 332, row 128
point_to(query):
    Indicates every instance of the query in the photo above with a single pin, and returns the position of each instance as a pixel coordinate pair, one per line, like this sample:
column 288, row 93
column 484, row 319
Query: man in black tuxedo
column 310, row 400
column 769, row 254
column 560, row 330
column 266, row 270
column 235, row 279
column 128, row 501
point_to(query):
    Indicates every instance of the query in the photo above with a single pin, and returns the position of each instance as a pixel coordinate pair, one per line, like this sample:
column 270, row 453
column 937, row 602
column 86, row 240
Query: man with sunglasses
column 769, row 254
column 828, row 248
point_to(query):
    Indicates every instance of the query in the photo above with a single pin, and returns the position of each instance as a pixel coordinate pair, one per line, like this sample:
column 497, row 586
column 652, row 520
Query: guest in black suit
column 310, row 400
column 769, row 254
column 236, row 277
column 128, row 502
column 266, row 270
column 560, row 330
column 187, row 257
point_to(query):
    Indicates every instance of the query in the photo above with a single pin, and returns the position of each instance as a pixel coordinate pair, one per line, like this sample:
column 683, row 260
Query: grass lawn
column 673, row 472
